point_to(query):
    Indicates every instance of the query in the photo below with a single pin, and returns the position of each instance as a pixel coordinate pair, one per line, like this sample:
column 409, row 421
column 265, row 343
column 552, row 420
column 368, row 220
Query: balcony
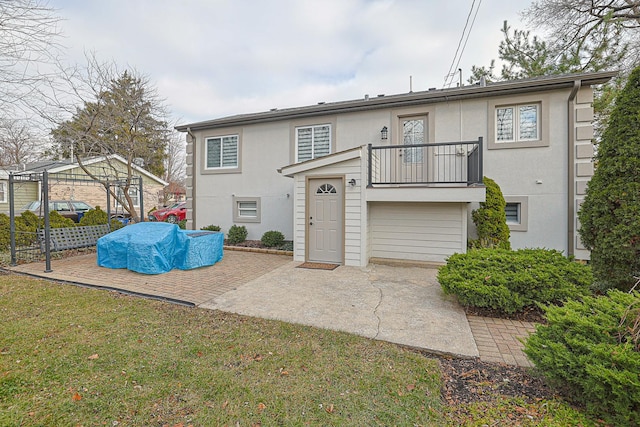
column 447, row 172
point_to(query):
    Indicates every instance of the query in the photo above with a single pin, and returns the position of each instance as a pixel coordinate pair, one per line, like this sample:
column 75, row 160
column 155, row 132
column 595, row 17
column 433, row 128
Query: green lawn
column 72, row 356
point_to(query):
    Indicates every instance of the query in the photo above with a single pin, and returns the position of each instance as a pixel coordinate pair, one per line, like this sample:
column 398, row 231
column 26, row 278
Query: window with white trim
column 246, row 209
column 3, row 192
column 515, row 123
column 133, row 193
column 221, row 152
column 312, row 142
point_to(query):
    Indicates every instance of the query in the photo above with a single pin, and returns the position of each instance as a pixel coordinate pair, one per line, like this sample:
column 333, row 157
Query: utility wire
column 448, row 80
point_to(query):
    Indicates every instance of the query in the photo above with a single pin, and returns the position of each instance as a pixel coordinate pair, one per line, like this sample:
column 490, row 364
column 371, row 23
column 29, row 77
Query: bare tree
column 116, row 112
column 591, row 26
column 28, row 44
column 17, row 143
column 175, row 165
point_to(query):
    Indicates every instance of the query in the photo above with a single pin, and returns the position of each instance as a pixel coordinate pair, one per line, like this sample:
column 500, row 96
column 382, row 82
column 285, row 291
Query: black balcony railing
column 452, row 163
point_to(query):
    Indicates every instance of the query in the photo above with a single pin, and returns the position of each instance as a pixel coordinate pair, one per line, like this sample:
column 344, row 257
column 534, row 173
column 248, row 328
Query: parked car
column 173, row 214
column 73, row 209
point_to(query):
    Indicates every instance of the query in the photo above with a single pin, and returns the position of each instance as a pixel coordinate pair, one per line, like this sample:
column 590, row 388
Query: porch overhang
column 462, row 194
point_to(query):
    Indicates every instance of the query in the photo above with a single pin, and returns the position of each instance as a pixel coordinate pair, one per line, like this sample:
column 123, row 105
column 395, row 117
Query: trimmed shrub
column 590, row 351
column 182, row 224
column 491, row 220
column 237, row 234
column 211, row 228
column 94, row 217
column 512, row 280
column 272, row 239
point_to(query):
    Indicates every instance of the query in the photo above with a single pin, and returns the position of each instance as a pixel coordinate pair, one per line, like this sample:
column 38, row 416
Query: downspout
column 193, row 179
column 571, row 151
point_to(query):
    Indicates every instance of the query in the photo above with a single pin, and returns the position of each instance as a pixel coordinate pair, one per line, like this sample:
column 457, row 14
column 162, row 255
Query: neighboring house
column 396, row 177
column 67, row 181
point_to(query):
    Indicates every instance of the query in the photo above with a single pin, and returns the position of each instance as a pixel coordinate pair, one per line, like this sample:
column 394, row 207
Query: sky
column 215, row 58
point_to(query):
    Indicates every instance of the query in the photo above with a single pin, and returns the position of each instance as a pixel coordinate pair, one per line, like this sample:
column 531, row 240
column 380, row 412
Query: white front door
column 325, row 220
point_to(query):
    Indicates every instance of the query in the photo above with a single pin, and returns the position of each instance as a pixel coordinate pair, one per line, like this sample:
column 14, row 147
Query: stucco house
column 397, row 176
column 67, row 181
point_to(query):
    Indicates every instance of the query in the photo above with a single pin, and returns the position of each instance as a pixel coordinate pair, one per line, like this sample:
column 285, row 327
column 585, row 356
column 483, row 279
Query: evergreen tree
column 491, row 220
column 610, row 213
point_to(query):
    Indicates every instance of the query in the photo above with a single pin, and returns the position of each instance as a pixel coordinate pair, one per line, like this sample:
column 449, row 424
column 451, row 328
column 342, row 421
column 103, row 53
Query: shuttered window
column 513, row 213
column 312, row 142
column 222, row 152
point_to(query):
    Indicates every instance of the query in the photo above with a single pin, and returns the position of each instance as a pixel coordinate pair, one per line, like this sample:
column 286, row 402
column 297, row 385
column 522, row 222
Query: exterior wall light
column 384, row 133
column 352, row 182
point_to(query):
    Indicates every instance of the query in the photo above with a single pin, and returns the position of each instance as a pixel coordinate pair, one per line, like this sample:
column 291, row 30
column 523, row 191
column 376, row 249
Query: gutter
column 571, row 148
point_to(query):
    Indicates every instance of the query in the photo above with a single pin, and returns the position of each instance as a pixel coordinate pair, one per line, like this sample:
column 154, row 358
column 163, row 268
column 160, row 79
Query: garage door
column 417, row 231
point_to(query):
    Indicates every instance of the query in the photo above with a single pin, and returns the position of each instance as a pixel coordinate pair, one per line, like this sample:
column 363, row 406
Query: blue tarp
column 158, row 247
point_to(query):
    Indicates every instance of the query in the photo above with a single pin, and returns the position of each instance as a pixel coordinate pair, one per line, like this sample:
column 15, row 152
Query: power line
column 448, row 80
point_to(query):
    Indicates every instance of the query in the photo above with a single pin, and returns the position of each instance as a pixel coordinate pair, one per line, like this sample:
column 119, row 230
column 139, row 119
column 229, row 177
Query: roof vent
column 366, row 96
column 483, row 81
column 432, row 88
column 381, row 95
column 274, row 109
column 321, row 102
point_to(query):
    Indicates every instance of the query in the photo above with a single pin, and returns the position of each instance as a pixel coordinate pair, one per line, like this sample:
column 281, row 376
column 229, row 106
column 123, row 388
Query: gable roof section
column 330, row 159
column 58, row 166
column 408, row 99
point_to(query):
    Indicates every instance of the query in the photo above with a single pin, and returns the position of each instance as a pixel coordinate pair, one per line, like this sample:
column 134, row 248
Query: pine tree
column 610, row 213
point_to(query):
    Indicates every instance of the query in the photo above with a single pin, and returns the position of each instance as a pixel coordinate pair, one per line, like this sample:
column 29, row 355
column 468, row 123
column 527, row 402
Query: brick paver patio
column 497, row 339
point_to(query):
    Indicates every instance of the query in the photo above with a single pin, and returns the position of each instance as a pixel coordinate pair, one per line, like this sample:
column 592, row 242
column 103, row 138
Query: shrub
column 182, row 224
column 237, row 234
column 24, row 234
column 94, row 217
column 211, row 228
column 590, row 350
column 491, row 220
column 611, row 207
column 512, row 280
column 272, row 239
column 58, row 221
column 115, row 224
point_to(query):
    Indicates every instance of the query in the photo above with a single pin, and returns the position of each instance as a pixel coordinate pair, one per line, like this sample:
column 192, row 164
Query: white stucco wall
column 267, row 147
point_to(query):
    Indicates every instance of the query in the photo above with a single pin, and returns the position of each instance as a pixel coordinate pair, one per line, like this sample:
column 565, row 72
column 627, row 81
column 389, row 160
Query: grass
column 73, row 356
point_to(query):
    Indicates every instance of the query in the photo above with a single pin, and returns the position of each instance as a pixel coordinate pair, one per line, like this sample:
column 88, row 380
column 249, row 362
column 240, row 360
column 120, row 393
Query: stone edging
column 257, row 250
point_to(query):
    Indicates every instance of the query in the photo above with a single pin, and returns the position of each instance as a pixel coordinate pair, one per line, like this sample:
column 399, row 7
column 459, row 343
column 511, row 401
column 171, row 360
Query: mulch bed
column 471, row 380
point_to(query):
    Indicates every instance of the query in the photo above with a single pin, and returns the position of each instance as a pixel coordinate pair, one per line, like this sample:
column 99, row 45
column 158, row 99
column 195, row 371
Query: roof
column 408, row 99
column 58, row 166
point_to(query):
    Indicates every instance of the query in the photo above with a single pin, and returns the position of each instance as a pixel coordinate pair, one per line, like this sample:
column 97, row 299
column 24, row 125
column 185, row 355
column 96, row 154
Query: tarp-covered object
column 158, row 247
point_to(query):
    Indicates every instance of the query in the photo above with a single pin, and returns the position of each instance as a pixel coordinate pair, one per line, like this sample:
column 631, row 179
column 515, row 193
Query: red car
column 172, row 214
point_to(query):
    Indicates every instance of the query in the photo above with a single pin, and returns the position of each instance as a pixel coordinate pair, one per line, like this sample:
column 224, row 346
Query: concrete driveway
column 397, row 304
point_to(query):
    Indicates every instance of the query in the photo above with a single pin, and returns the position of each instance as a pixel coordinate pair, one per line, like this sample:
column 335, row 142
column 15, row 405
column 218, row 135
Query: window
column 246, row 209
column 518, row 123
column 513, row 213
column 413, row 134
column 3, row 192
column 133, row 193
column 312, row 142
column 222, row 152
column 516, row 211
